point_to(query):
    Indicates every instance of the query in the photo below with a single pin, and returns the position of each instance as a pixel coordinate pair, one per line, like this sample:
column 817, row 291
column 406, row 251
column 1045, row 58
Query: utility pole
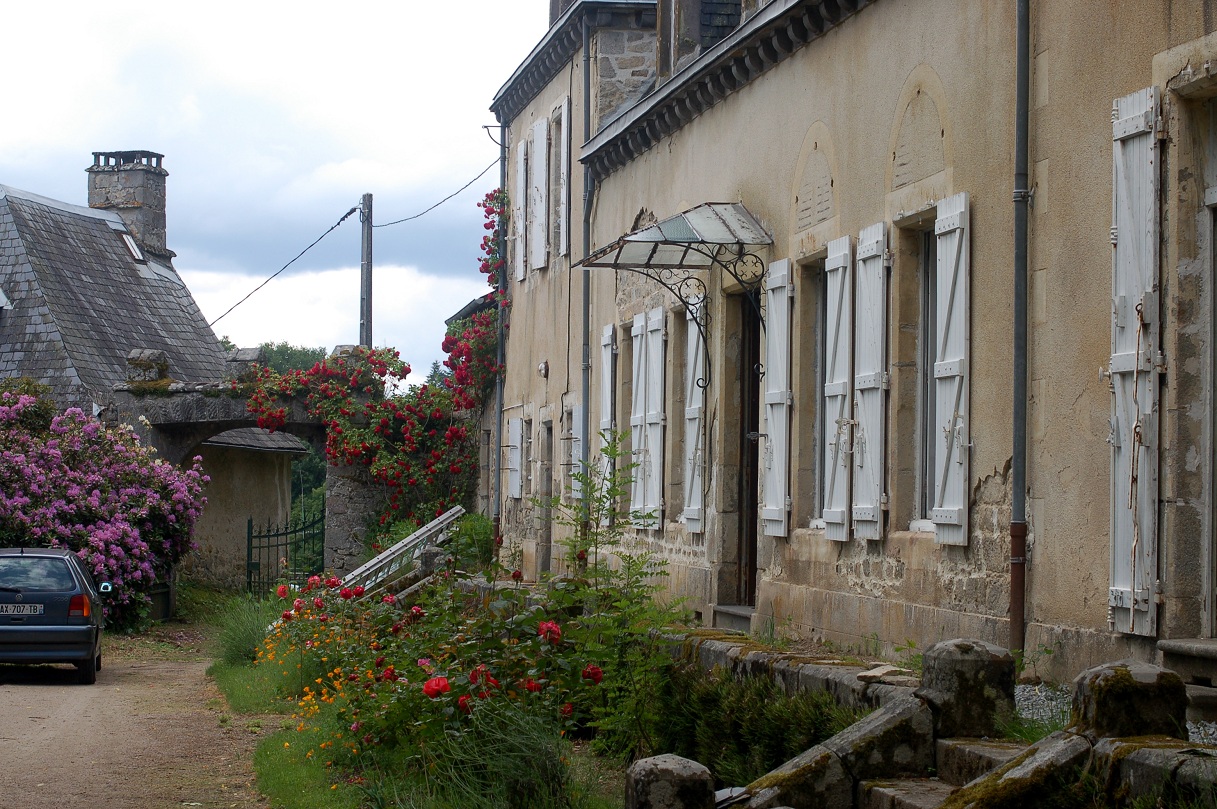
column 365, row 273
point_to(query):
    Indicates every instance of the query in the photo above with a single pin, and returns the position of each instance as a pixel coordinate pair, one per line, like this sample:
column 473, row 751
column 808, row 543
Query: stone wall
column 625, row 70
column 352, row 502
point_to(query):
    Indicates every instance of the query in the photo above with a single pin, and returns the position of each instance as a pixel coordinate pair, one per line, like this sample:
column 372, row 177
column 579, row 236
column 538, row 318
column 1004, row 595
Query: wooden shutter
column 576, row 450
column 1134, row 352
column 515, row 445
column 608, row 410
column 563, row 169
column 538, row 197
column 519, row 206
column 638, row 413
column 775, row 471
column 653, row 502
column 837, row 406
column 695, row 399
column 870, row 382
column 951, row 439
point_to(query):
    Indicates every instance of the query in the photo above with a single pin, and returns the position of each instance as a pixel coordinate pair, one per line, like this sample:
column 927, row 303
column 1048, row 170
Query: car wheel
column 86, row 673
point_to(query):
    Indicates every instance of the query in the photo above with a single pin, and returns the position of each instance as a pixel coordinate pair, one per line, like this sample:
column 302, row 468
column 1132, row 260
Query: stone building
column 780, row 242
column 83, row 287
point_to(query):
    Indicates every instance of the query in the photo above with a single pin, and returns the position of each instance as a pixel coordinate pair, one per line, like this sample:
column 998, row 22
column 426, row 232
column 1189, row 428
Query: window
column 528, row 471
column 574, row 422
column 512, row 461
column 646, row 417
column 559, row 187
column 541, row 200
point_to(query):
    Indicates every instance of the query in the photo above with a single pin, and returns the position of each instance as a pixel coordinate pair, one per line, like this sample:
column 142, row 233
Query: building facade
column 775, row 242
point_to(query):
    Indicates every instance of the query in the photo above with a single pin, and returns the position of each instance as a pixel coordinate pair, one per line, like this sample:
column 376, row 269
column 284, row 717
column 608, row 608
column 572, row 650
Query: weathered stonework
column 970, row 685
column 625, row 67
column 352, row 502
column 1129, row 698
column 668, row 782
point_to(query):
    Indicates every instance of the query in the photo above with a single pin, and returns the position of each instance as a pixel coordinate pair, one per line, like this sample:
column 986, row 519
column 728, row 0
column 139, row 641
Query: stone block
column 1129, row 698
column 961, row 761
column 668, row 782
column 147, row 365
column 1030, row 780
column 895, row 740
column 1197, row 776
column 969, row 684
column 814, row 779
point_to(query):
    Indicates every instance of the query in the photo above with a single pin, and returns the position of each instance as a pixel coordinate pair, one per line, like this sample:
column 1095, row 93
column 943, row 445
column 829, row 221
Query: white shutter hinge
column 885, row 380
column 789, row 503
column 883, row 501
column 1114, row 236
column 1160, row 127
column 789, row 398
column 888, row 259
column 1160, row 363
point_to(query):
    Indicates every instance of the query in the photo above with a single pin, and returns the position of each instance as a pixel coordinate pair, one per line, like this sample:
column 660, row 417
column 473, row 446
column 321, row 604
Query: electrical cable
column 334, row 227
column 494, row 163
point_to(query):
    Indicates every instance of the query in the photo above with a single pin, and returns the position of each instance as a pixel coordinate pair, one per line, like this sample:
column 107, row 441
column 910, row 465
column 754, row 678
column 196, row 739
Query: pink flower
column 281, row 591
column 549, row 631
column 333, row 582
column 389, row 599
column 318, row 603
column 287, row 615
column 436, row 686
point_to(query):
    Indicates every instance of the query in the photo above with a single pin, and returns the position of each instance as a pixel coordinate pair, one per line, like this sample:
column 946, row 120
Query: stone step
column 961, row 761
column 1201, row 703
column 911, row 793
column 732, row 616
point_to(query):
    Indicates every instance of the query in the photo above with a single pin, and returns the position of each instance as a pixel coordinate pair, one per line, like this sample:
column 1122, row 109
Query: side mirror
column 105, row 587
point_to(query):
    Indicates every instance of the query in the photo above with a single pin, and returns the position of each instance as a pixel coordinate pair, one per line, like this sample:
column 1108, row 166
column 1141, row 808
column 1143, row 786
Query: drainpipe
column 588, row 187
column 1022, row 200
column 496, row 484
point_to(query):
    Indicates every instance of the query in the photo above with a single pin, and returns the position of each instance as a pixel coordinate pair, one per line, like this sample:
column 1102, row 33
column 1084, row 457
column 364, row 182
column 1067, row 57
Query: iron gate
column 281, row 554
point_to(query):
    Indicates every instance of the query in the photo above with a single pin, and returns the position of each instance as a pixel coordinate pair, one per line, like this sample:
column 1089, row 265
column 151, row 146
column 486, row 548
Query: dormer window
column 132, row 247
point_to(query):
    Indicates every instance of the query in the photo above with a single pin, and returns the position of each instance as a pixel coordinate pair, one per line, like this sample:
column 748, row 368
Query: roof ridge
column 66, row 207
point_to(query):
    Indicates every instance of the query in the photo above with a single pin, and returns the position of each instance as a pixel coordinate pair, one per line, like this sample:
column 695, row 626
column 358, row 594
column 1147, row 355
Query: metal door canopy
column 711, row 233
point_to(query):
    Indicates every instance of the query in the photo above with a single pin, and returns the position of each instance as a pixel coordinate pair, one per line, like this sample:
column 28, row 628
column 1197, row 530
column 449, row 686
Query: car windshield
column 35, row 573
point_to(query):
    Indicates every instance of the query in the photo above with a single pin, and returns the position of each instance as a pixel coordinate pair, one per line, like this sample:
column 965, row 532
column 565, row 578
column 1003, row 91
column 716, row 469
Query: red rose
column 517, row 575
column 549, row 631
column 287, row 615
column 358, row 591
column 298, row 604
column 567, row 710
column 318, row 603
column 593, row 672
column 281, row 591
column 532, row 685
column 465, row 704
column 345, row 593
column 389, row 599
column 436, row 686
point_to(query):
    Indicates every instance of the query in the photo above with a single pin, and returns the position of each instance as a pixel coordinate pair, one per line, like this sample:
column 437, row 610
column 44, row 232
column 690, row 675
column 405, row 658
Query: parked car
column 50, row 610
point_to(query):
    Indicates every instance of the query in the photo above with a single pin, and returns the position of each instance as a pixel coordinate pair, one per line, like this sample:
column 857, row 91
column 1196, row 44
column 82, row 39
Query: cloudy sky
column 274, row 118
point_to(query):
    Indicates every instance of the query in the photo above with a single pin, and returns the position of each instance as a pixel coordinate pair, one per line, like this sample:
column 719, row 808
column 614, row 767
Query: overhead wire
column 346, row 216
column 334, row 227
column 493, row 163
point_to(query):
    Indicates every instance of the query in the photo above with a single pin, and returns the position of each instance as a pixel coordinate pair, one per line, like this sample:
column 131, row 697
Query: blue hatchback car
column 50, row 610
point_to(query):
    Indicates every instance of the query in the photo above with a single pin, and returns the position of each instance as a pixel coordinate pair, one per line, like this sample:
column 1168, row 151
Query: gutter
column 1022, row 202
column 589, row 188
column 496, row 483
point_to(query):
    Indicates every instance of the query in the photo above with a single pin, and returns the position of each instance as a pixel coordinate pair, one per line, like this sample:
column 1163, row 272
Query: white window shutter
column 951, row 441
column 838, row 402
column 638, row 414
column 576, row 450
column 695, row 399
column 563, row 170
column 519, row 205
column 538, row 197
column 515, row 445
column 608, row 400
column 870, row 382
column 775, row 468
column 653, row 502
column 1134, row 377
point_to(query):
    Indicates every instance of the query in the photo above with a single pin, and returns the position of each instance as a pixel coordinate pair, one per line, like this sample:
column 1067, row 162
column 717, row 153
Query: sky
column 274, row 119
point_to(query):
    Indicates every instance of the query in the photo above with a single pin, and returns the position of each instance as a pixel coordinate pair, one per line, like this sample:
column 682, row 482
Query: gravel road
column 150, row 734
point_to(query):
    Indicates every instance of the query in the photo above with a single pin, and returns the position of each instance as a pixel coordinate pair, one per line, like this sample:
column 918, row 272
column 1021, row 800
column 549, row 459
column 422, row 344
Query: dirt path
column 152, row 733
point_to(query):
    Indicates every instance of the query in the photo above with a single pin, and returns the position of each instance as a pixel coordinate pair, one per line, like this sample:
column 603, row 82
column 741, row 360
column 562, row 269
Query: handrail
column 376, row 572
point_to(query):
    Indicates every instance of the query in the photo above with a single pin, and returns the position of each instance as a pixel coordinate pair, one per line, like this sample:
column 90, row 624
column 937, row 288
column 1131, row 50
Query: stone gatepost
column 969, row 684
column 1129, row 698
column 352, row 502
column 668, row 782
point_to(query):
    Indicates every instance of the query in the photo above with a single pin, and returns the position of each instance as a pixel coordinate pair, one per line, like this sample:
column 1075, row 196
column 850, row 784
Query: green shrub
column 742, row 728
column 471, row 543
column 243, row 628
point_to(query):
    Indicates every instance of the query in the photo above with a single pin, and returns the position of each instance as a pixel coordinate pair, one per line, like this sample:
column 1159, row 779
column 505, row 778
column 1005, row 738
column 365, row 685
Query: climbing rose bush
column 70, row 482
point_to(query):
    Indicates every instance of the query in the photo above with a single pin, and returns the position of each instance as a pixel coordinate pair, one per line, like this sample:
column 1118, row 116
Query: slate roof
column 80, row 301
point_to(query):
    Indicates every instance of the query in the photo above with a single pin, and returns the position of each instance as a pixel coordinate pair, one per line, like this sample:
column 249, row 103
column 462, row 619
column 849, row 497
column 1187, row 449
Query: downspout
column 588, row 187
column 1018, row 466
column 496, row 483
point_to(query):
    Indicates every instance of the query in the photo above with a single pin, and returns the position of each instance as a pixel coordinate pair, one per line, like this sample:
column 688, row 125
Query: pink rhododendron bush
column 68, row 481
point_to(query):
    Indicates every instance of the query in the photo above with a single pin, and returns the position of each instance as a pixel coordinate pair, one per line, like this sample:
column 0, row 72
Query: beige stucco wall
column 896, row 108
column 243, row 484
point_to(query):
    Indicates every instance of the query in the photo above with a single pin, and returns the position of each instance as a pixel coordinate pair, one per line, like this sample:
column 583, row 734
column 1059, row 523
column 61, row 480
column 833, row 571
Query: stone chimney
column 132, row 184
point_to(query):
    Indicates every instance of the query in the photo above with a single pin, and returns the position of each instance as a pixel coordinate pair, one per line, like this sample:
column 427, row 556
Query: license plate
column 21, row 609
